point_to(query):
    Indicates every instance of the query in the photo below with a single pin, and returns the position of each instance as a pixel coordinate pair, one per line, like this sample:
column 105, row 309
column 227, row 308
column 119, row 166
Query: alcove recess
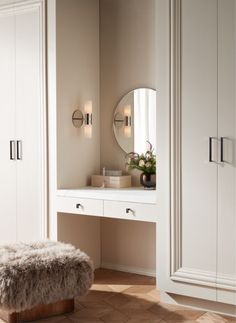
column 104, row 49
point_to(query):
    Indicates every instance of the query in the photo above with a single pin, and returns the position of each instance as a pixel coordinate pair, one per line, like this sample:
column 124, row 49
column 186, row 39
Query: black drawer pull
column 78, row 206
column 128, row 210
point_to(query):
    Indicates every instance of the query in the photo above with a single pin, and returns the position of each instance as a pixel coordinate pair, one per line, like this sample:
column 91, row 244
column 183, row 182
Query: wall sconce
column 124, row 121
column 78, row 119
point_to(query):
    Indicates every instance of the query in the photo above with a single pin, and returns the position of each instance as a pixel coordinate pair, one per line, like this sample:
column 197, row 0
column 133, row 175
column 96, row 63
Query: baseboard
column 129, row 269
column 197, row 303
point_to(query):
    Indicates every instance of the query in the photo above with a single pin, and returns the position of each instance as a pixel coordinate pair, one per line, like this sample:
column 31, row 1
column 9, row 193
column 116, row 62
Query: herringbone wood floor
column 127, row 298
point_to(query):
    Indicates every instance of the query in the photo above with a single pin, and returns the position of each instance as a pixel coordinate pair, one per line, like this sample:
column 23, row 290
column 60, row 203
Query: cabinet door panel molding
column 27, row 139
column 178, row 271
column 207, row 229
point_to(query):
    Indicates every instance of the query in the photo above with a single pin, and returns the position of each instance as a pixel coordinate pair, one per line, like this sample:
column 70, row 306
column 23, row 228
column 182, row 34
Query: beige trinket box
column 111, row 181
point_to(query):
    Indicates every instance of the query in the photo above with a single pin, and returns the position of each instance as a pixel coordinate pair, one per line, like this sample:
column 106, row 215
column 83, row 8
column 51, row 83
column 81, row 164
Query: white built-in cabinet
column 22, row 122
column 201, row 237
column 226, row 220
column 129, row 204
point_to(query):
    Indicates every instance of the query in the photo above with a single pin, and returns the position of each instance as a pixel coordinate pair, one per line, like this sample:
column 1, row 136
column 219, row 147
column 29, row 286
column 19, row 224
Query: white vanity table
column 129, row 203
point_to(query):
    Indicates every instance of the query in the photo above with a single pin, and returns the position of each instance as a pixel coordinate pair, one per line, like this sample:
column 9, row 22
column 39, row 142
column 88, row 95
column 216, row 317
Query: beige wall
column 77, row 27
column 77, row 82
column 128, row 245
column 127, row 61
column 83, row 232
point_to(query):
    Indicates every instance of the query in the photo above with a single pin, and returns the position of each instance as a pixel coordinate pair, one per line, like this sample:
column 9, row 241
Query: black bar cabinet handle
column 210, row 149
column 12, row 150
column 19, row 150
column 222, row 149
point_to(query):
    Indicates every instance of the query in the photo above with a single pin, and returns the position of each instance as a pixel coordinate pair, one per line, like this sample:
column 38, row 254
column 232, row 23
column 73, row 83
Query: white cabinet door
column 226, row 276
column 7, row 129
column 195, row 222
column 29, row 128
column 202, row 239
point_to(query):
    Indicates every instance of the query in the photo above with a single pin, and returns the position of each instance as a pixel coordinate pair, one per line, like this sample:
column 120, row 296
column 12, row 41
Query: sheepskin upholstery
column 42, row 273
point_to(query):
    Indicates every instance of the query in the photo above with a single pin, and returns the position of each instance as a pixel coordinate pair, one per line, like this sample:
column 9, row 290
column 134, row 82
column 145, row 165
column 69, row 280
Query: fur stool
column 41, row 279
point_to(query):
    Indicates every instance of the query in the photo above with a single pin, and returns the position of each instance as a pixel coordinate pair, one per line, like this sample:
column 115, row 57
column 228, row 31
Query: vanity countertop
column 132, row 194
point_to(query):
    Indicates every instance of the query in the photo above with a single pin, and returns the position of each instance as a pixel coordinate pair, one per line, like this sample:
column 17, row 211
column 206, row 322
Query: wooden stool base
column 39, row 312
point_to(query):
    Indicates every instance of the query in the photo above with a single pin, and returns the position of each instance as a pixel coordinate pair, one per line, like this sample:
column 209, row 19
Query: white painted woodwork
column 7, row 130
column 111, row 203
column 226, row 261
column 137, row 194
column 52, row 120
column 28, row 126
column 24, row 120
column 202, row 241
column 198, row 112
column 79, row 205
column 130, row 211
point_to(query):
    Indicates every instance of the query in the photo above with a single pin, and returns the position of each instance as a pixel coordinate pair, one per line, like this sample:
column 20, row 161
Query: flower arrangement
column 144, row 162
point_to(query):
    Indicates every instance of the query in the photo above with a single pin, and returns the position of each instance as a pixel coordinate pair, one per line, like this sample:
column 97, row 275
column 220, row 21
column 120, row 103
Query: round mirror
column 134, row 120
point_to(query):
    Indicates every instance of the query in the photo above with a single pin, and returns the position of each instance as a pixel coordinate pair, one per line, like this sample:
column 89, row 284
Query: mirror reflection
column 135, row 120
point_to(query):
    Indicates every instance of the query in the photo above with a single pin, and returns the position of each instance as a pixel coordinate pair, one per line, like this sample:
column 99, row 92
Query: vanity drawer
column 79, row 205
column 130, row 211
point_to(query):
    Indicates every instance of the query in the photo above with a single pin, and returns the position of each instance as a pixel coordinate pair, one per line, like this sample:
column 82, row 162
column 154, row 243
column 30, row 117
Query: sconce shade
column 88, row 107
column 127, row 110
column 128, row 131
column 88, row 131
